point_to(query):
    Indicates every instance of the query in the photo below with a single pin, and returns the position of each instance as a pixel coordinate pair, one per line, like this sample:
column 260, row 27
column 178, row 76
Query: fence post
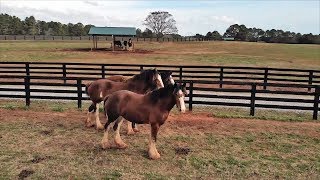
column 310, row 79
column 27, row 89
column 15, row 37
column 141, row 68
column 316, row 103
column 79, row 89
column 221, row 77
column 24, row 37
column 27, row 69
column 180, row 74
column 103, row 69
column 64, row 73
column 52, row 37
column 253, row 99
column 5, row 37
column 190, row 95
column 265, row 80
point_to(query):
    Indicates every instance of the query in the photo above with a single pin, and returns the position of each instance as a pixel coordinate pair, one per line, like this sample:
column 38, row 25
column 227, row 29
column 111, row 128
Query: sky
column 192, row 16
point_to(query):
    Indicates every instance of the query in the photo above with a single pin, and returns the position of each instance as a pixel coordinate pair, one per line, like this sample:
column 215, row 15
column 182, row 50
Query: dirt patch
column 109, row 50
column 182, row 150
column 25, row 173
column 190, row 121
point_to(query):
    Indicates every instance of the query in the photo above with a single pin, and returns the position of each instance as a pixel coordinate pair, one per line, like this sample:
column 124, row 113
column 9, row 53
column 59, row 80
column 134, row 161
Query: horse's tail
column 87, row 86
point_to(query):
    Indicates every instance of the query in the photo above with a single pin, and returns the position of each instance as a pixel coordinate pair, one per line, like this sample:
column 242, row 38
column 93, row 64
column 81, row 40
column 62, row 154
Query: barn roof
column 117, row 31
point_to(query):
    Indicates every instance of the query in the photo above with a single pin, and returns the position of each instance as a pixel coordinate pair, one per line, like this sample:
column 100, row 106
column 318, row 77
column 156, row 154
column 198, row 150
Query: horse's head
column 180, row 92
column 166, row 76
column 155, row 79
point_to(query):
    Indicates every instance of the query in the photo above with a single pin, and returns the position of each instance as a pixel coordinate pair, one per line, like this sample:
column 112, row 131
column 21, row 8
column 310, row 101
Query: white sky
column 191, row 16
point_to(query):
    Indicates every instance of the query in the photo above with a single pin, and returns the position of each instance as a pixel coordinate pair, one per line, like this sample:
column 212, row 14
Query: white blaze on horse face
column 101, row 95
column 171, row 80
column 159, row 79
column 181, row 104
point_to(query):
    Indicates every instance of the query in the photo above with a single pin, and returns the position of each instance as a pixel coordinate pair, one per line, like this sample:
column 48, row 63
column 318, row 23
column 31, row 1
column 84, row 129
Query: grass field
column 208, row 53
column 49, row 140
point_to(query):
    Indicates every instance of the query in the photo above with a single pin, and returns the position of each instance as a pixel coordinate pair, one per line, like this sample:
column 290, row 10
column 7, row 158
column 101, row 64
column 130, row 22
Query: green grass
column 220, row 112
column 210, row 53
column 72, row 151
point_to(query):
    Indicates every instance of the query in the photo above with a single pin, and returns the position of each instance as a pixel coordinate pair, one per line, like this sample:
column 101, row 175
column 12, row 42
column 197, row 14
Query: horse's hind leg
column 129, row 128
column 153, row 152
column 105, row 141
column 99, row 126
column 92, row 109
column 134, row 127
column 117, row 139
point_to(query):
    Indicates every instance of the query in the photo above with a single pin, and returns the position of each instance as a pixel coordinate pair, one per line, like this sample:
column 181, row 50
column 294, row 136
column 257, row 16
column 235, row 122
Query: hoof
column 100, row 127
column 130, row 132
column 136, row 130
column 121, row 145
column 89, row 125
column 105, row 145
column 154, row 156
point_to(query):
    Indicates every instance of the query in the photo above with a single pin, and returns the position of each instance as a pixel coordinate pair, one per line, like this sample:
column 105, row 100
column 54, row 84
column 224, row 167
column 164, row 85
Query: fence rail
column 245, row 95
column 99, row 38
column 91, row 71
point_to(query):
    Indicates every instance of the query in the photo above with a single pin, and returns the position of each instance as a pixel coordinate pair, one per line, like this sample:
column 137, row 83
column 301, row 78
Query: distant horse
column 97, row 90
column 152, row 108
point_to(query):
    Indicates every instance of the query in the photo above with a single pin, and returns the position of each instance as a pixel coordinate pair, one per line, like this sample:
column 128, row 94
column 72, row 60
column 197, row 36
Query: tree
column 216, row 36
column 139, row 32
column 30, row 26
column 161, row 22
column 147, row 33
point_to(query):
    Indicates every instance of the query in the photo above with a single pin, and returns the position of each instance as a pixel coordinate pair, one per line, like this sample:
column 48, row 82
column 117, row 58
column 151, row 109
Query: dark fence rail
column 91, row 71
column 100, row 38
column 249, row 95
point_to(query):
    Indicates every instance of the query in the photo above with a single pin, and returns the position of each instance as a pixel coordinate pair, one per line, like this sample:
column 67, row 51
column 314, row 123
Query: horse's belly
column 138, row 118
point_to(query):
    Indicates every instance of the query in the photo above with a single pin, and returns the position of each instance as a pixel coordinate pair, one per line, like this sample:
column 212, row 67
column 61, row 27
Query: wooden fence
column 100, row 38
column 91, row 71
column 200, row 93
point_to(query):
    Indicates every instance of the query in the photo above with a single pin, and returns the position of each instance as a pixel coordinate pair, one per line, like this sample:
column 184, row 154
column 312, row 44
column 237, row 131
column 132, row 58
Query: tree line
column 12, row 25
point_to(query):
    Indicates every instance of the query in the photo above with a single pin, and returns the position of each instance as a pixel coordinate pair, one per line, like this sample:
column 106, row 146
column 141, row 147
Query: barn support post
column 64, row 73
column 97, row 38
column 253, row 99
column 79, row 90
column 27, row 89
column 316, row 103
column 190, row 95
column 265, row 80
column 310, row 79
column 221, row 77
column 113, row 39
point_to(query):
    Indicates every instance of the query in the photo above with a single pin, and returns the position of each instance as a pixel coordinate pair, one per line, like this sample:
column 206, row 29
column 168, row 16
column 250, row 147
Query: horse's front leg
column 153, row 152
column 91, row 110
column 99, row 126
column 117, row 138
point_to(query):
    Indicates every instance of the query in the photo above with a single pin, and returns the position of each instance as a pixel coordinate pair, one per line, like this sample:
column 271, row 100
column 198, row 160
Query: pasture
column 182, row 53
column 49, row 140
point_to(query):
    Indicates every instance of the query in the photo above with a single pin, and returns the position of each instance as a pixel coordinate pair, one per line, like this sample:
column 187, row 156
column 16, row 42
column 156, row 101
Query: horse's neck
column 136, row 86
column 167, row 103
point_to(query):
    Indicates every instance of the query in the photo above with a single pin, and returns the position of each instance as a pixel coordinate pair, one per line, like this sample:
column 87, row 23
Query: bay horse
column 166, row 76
column 152, row 108
column 97, row 90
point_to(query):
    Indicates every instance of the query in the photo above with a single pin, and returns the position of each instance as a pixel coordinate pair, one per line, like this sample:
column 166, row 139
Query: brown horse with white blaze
column 152, row 108
column 141, row 83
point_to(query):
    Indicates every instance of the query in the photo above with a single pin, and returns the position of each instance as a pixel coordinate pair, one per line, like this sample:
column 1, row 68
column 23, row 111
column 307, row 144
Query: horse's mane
column 143, row 76
column 161, row 93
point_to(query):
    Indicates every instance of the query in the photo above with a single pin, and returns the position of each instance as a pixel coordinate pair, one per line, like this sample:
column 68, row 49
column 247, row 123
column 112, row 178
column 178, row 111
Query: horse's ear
column 169, row 72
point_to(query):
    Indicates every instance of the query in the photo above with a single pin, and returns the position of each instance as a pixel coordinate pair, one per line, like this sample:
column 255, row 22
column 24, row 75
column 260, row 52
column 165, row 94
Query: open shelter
column 110, row 31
